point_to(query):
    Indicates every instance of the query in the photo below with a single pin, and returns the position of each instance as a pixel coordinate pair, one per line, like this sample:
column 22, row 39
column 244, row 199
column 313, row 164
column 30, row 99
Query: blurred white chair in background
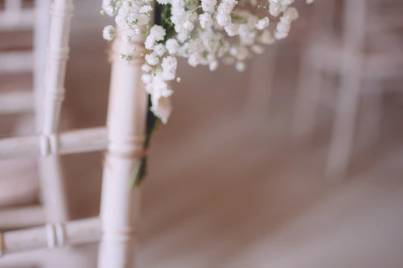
column 365, row 53
column 17, row 18
column 13, row 17
column 46, row 102
column 310, row 74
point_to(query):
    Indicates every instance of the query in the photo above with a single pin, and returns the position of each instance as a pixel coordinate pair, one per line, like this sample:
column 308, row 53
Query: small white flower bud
column 172, row 46
column 240, row 66
column 109, row 33
column 146, row 78
column 262, row 23
column 152, row 59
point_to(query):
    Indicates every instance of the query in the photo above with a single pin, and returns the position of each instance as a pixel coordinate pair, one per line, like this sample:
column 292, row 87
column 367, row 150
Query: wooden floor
column 227, row 185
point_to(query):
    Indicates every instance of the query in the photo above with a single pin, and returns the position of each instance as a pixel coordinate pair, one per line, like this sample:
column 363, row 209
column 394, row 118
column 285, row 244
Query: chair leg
column 53, row 190
column 310, row 79
column 343, row 129
column 120, row 203
column 354, row 18
column 308, row 99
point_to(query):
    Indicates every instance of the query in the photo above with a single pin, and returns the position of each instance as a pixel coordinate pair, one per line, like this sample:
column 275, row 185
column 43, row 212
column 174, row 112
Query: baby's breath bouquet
column 205, row 32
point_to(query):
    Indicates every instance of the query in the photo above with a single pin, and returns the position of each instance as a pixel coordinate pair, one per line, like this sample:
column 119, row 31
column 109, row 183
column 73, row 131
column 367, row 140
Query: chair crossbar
column 16, row 102
column 52, row 235
column 76, row 141
column 22, row 217
column 12, row 21
column 16, row 61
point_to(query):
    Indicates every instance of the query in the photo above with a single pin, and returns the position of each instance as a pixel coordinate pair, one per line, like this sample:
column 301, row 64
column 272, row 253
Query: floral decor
column 205, row 32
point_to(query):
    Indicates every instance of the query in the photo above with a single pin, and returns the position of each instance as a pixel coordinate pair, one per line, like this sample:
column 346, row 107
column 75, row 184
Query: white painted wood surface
column 15, row 17
column 16, row 61
column 16, row 102
column 120, row 205
column 41, row 32
column 21, row 217
column 75, row 141
column 51, row 236
column 50, row 170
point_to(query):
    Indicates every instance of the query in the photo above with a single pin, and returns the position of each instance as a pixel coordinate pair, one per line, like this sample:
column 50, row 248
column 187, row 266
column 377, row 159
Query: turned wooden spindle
column 120, row 203
column 52, row 235
column 75, row 141
column 49, row 163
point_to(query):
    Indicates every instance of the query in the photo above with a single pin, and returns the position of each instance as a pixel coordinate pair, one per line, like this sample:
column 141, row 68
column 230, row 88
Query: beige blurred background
column 227, row 184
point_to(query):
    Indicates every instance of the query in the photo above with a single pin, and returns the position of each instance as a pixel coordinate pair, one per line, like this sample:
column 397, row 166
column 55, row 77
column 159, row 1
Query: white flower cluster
column 203, row 31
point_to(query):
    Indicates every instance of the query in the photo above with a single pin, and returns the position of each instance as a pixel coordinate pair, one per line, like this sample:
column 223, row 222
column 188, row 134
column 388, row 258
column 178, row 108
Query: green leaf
column 166, row 22
column 152, row 123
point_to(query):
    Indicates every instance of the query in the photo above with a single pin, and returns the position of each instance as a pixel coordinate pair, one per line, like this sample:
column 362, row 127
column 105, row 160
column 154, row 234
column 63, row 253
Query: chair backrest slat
column 16, row 61
column 13, row 6
column 15, row 17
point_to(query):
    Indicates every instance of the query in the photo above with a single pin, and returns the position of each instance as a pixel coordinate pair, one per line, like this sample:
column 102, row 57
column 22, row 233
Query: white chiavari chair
column 123, row 138
column 363, row 55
